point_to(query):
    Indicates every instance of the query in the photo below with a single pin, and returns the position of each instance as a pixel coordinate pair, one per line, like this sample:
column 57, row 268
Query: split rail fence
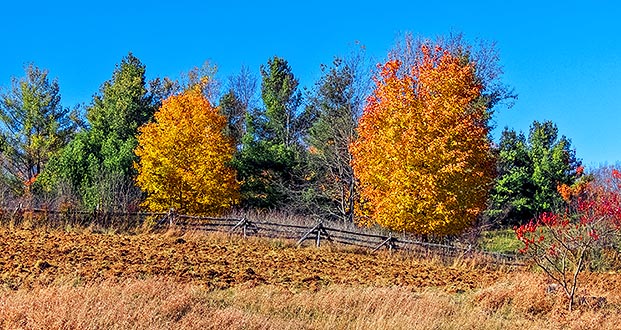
column 317, row 233
column 320, row 232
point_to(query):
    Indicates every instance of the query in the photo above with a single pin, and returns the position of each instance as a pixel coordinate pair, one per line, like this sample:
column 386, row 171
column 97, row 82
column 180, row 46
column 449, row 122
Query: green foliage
column 514, row 190
column 266, row 171
column 337, row 102
column 122, row 105
column 269, row 164
column 554, row 163
column 281, row 122
column 237, row 102
column 235, row 112
column 529, row 172
column 104, row 152
column 34, row 126
column 501, row 241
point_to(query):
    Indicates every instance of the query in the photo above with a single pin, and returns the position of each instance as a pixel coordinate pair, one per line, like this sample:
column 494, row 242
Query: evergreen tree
column 269, row 164
column 529, row 172
column 34, row 126
column 98, row 163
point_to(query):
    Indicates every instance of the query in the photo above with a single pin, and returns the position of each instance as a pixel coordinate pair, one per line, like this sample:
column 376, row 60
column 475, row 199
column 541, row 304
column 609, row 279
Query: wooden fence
column 317, row 233
column 320, row 232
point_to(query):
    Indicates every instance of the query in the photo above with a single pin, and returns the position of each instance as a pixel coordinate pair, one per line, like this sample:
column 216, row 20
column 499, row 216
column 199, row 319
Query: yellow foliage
column 184, row 157
column 423, row 156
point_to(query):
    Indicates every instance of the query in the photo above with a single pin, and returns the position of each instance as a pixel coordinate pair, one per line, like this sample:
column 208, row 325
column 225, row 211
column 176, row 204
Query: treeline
column 405, row 144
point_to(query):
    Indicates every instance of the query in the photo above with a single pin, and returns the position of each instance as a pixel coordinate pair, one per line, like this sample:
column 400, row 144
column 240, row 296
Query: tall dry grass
column 516, row 302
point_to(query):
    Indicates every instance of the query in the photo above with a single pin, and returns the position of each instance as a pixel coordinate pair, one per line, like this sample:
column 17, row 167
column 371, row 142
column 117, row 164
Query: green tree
column 237, row 102
column 282, row 122
column 554, row 163
column 337, row 100
column 513, row 193
column 269, row 164
column 100, row 159
column 34, row 126
column 266, row 173
column 235, row 112
column 529, row 172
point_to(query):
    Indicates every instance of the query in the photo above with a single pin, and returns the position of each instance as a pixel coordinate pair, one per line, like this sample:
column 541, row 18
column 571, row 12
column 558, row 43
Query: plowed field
column 38, row 257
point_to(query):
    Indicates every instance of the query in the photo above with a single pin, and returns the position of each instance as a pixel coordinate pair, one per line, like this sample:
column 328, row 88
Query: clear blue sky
column 562, row 57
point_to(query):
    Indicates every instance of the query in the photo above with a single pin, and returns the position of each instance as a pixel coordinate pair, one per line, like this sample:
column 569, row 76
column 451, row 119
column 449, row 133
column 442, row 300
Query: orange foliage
column 581, row 187
column 423, row 154
column 184, row 157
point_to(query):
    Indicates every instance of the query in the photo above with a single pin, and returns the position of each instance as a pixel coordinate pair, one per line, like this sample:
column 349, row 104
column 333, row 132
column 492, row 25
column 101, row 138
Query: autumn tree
column 337, row 100
column 34, row 126
column 184, row 157
column 529, row 172
column 423, row 156
column 97, row 164
column 484, row 54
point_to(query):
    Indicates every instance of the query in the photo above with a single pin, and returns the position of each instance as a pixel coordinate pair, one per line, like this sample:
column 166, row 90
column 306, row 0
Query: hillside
column 53, row 279
column 215, row 261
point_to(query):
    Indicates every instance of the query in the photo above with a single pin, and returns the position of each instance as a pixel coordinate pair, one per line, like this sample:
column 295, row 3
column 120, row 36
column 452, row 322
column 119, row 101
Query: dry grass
column 516, row 302
column 87, row 280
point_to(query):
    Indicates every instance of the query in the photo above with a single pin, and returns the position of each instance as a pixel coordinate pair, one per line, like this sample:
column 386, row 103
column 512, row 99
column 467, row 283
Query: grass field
column 502, row 241
column 53, row 279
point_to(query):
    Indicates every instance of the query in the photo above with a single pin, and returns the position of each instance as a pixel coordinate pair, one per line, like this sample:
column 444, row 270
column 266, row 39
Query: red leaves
column 551, row 219
column 579, row 171
column 560, row 243
column 593, row 234
column 594, row 209
column 531, row 233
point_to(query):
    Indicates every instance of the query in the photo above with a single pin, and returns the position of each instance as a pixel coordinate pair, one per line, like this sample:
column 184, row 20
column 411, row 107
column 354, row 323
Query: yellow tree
column 423, row 157
column 184, row 157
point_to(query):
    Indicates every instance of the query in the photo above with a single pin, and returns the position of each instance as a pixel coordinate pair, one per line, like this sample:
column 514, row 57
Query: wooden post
column 305, row 236
column 318, row 235
column 318, row 230
column 171, row 217
column 245, row 225
column 388, row 242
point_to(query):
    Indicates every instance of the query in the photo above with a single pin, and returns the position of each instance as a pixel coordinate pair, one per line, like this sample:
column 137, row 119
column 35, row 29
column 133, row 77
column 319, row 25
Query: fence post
column 171, row 217
column 319, row 226
column 388, row 242
column 318, row 230
column 245, row 225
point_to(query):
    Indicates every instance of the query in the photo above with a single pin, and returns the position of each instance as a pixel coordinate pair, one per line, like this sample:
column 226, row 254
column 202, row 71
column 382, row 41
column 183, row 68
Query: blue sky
column 562, row 57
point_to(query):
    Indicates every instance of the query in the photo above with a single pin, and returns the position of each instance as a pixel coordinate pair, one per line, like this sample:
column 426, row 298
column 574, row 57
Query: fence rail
column 317, row 233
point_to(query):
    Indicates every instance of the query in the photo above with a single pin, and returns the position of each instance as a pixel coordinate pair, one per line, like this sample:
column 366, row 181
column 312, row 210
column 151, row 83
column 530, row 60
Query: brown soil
column 31, row 258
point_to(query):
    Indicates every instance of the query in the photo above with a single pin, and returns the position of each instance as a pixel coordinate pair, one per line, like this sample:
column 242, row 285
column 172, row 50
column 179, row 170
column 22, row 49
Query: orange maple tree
column 423, row 157
column 185, row 156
